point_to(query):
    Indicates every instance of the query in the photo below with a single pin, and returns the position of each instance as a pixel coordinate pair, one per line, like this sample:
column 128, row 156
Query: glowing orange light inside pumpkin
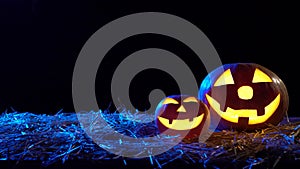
column 245, row 93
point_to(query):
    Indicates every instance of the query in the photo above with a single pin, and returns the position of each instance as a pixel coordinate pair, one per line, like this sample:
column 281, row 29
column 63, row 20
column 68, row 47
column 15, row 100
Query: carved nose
column 181, row 109
column 245, row 92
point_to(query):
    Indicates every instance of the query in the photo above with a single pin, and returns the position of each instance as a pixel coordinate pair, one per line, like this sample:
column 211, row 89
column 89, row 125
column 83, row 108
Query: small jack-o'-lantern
column 182, row 115
column 244, row 96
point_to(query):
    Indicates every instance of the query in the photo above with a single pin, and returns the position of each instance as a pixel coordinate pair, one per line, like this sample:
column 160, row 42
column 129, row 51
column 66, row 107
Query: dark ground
column 40, row 141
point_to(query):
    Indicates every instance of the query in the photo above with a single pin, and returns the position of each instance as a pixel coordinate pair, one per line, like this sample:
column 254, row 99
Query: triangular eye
column 260, row 76
column 224, row 79
column 170, row 101
column 190, row 99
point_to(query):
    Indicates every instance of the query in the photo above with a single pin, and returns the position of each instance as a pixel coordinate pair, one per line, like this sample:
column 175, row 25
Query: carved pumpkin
column 182, row 115
column 244, row 96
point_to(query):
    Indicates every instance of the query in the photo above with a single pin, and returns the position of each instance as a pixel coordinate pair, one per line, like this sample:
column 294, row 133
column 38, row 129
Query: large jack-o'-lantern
column 244, row 96
column 182, row 115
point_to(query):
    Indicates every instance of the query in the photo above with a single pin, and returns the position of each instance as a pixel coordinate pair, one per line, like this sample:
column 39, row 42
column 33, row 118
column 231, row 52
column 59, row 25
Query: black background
column 40, row 41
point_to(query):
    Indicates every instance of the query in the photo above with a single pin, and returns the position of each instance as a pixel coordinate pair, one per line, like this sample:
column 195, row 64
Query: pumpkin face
column 181, row 115
column 244, row 96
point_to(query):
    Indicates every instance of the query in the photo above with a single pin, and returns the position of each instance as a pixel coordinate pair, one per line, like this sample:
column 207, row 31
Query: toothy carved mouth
column 233, row 115
column 184, row 124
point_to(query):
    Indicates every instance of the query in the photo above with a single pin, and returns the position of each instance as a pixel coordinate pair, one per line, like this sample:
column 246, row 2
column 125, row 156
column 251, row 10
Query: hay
column 57, row 139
